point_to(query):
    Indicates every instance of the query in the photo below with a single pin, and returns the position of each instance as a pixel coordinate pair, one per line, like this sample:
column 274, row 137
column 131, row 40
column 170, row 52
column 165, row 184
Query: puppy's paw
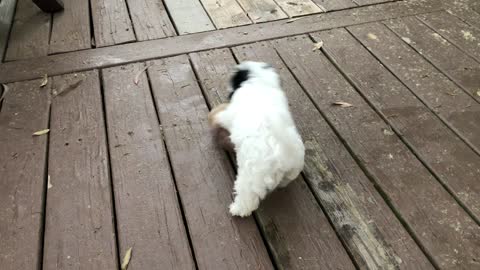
column 241, row 209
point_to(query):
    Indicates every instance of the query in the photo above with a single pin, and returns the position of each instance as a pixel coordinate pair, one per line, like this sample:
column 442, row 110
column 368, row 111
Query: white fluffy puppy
column 269, row 150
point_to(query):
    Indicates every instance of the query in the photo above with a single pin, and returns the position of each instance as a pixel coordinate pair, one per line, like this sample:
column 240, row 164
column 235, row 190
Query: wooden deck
column 391, row 182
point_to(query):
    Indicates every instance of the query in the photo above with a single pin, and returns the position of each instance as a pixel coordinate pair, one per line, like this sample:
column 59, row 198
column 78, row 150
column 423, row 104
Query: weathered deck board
column 71, row 28
column 371, row 236
column 441, row 95
column 457, row 166
column 332, row 5
column 410, row 186
column 458, row 66
column 23, row 157
column 262, row 10
column 79, row 229
column 140, row 51
column 183, row 10
column 455, row 31
column 111, row 22
column 298, row 7
column 150, row 19
column 30, row 32
column 203, row 173
column 147, row 210
column 7, row 9
column 226, row 13
column 295, row 227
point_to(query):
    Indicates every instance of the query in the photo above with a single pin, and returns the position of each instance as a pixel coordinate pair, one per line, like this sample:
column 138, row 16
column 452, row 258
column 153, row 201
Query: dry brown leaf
column 126, row 259
column 292, row 20
column 44, row 80
column 454, row 93
column 49, row 184
column 137, row 77
column 343, row 104
column 41, row 132
column 5, row 90
column 372, row 36
column 387, row 132
column 317, row 46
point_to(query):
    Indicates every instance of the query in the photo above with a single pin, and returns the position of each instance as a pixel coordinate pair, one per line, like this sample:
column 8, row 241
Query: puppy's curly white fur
column 269, row 150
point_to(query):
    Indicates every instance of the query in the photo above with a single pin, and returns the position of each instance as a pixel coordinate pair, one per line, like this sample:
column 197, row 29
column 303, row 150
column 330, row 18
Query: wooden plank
column 203, row 173
column 332, row 5
column 458, row 66
column 25, row 110
column 225, row 13
column 298, row 7
column 455, row 31
column 111, row 23
column 455, row 164
column 139, row 51
column 150, row 19
column 183, row 10
column 463, row 10
column 71, row 28
column 294, row 226
column 372, row 237
column 454, row 107
column 147, row 210
column 262, row 10
column 79, row 229
column 7, row 9
column 30, row 32
column 431, row 215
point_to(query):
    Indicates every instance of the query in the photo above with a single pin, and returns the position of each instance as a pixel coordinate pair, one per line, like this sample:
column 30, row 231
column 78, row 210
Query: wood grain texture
column 298, row 7
column 226, row 13
column 294, row 226
column 23, row 157
column 372, row 237
column 183, row 10
column 332, row 5
column 111, row 23
column 202, row 172
column 147, row 210
column 150, row 19
column 7, row 10
column 139, row 51
column 398, row 170
column 456, row 108
column 71, row 28
column 456, row 165
column 262, row 10
column 455, row 31
column 458, row 66
column 79, row 229
column 30, row 32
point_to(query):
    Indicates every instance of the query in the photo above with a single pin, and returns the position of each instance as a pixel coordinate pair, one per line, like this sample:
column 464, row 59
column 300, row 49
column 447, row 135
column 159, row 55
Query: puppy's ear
column 237, row 79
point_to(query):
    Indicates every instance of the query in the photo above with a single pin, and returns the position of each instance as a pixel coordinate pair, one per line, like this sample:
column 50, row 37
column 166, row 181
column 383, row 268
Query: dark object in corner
column 49, row 6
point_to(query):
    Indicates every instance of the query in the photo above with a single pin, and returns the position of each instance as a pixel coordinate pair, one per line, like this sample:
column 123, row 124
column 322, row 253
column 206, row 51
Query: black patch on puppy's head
column 237, row 79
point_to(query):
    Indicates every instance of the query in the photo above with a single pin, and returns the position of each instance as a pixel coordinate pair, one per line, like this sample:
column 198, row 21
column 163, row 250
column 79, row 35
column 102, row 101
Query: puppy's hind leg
column 248, row 194
column 289, row 177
